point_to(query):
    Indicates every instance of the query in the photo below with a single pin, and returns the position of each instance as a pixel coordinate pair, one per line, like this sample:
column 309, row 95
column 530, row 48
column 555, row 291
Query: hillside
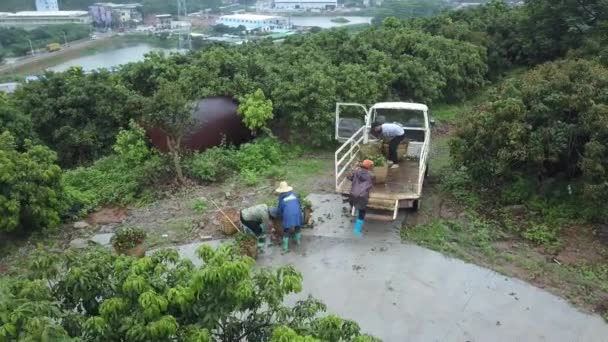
column 518, row 174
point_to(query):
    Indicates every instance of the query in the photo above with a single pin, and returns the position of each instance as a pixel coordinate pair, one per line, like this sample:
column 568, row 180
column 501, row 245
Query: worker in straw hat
column 362, row 183
column 290, row 211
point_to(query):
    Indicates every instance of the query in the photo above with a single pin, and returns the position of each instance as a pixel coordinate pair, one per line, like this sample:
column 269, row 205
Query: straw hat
column 283, row 188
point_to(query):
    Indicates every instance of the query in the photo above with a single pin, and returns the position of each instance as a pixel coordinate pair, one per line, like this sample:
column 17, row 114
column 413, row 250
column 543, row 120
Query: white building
column 47, row 5
column 9, row 87
column 254, row 21
column 34, row 19
column 305, row 4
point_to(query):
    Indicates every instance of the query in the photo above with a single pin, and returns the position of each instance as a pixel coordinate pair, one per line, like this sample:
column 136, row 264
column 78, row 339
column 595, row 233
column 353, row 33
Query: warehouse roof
column 246, row 16
column 48, row 14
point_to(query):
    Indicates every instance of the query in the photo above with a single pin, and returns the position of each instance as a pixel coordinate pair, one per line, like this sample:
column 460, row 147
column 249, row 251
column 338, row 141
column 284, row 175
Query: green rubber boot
column 261, row 243
column 298, row 238
column 285, row 243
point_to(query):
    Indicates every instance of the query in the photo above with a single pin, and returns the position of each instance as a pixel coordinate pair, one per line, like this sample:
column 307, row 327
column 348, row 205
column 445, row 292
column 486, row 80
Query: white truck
column 403, row 186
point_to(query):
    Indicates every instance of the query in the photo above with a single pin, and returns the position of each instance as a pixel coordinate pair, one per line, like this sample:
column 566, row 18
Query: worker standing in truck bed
column 396, row 133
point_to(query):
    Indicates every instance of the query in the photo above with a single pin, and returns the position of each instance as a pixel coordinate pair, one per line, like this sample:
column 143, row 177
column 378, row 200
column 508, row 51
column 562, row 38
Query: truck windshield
column 406, row 117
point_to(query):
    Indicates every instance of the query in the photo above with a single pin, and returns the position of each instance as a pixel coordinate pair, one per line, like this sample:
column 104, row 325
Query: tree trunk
column 174, row 149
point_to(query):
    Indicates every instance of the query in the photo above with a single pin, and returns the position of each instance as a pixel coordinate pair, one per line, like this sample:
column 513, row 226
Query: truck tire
column 415, row 205
column 426, row 172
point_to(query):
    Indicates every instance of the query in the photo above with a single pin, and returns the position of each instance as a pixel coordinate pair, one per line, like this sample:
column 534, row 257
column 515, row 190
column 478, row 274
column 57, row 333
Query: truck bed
column 401, row 183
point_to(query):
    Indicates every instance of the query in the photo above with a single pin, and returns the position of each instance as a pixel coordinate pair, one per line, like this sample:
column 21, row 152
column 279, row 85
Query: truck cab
column 403, row 185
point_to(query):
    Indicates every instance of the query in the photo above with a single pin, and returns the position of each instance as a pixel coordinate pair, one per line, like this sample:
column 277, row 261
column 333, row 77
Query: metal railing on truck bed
column 347, row 154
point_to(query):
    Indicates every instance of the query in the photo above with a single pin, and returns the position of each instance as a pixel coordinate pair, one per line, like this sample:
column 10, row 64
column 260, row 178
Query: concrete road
column 41, row 56
column 402, row 292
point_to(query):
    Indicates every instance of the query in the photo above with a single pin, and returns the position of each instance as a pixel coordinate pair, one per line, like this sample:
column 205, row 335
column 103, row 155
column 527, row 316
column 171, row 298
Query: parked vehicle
column 52, row 47
column 403, row 186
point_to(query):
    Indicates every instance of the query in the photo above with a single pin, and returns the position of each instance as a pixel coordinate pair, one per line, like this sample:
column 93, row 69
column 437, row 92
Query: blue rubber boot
column 358, row 227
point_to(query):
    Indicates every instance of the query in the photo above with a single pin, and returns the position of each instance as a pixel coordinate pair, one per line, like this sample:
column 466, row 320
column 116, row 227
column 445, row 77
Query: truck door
column 350, row 117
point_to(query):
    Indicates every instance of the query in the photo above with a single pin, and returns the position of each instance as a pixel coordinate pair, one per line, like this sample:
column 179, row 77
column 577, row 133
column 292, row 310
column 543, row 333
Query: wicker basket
column 227, row 226
column 380, row 174
column 307, row 215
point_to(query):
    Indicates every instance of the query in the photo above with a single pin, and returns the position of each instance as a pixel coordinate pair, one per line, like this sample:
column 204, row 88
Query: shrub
column 127, row 238
column 121, row 179
column 99, row 296
column 541, row 234
column 259, row 156
column 31, row 196
column 212, row 164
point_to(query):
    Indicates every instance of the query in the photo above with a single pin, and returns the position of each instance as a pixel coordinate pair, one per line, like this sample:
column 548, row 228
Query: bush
column 127, row 238
column 94, row 295
column 252, row 160
column 541, row 234
column 31, row 196
column 212, row 164
column 259, row 156
column 121, row 179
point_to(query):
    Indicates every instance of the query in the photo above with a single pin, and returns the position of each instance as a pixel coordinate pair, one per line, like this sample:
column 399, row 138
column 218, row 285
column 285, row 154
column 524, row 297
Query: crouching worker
column 290, row 211
column 256, row 220
column 359, row 192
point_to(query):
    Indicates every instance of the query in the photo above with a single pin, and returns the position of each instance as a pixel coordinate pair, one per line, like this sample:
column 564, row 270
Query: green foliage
column 541, row 234
column 12, row 119
column 170, row 111
column 251, row 160
column 377, row 158
column 546, row 124
column 454, row 237
column 199, row 206
column 128, row 237
column 403, row 9
column 31, row 195
column 258, row 156
column 211, row 165
column 121, row 179
column 77, row 115
column 256, row 110
column 93, row 295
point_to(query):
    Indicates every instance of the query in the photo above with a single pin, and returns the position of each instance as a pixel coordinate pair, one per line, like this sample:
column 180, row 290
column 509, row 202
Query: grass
column 477, row 241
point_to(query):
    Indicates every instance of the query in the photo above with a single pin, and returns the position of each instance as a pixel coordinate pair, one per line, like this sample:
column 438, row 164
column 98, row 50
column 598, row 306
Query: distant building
column 47, row 5
column 202, row 19
column 35, row 19
column 163, row 21
column 254, row 21
column 305, row 4
column 9, row 87
column 110, row 14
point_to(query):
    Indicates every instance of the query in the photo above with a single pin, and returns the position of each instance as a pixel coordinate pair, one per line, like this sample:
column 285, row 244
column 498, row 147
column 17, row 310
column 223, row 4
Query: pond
column 111, row 57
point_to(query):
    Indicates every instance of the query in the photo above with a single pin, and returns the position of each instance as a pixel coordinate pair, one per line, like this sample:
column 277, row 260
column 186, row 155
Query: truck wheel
column 415, row 205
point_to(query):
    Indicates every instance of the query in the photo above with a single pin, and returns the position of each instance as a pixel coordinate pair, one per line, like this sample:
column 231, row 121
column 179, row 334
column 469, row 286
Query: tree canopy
column 94, row 295
column 550, row 122
column 31, row 194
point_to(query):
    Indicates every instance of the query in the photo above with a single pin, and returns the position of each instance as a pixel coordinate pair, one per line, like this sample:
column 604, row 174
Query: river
column 111, row 57
column 115, row 56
